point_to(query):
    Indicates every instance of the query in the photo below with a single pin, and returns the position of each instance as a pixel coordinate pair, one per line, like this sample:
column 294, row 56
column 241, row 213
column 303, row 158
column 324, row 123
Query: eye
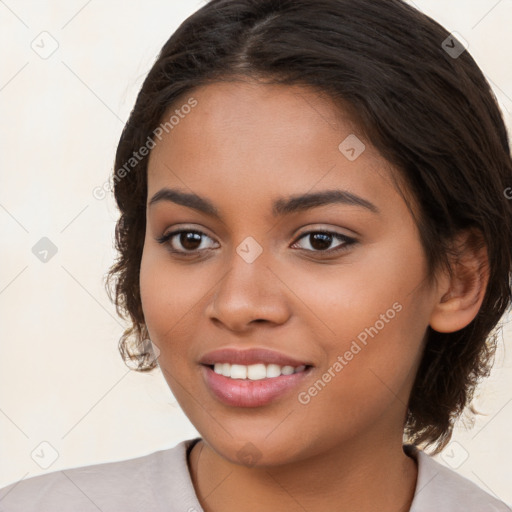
column 190, row 240
column 320, row 241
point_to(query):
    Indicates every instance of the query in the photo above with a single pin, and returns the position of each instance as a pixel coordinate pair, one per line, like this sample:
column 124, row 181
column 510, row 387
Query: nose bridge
column 249, row 290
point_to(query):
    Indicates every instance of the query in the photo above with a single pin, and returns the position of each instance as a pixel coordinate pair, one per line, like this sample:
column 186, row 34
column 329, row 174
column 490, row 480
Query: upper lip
column 250, row 356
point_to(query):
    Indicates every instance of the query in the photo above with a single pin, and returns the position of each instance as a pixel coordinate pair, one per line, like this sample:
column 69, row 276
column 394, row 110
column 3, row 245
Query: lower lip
column 251, row 393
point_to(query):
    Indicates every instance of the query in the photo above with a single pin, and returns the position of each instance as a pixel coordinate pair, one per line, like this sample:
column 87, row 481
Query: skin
column 244, row 145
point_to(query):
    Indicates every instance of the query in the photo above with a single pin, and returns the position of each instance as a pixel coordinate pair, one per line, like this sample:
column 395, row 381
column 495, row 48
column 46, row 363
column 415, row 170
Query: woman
column 315, row 246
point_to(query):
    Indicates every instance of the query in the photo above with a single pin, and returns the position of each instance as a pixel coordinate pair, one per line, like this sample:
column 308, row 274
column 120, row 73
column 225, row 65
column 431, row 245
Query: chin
column 259, row 450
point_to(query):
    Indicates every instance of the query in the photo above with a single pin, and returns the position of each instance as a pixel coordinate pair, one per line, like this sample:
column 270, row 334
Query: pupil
column 190, row 238
column 322, row 240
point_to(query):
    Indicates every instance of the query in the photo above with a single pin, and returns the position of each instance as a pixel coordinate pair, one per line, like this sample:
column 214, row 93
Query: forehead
column 297, row 114
column 258, row 139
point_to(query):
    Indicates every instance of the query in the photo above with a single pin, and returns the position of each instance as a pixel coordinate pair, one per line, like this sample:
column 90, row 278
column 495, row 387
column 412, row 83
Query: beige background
column 63, row 382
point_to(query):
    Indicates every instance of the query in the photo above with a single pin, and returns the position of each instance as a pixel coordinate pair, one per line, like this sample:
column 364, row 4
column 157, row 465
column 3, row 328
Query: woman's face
column 352, row 304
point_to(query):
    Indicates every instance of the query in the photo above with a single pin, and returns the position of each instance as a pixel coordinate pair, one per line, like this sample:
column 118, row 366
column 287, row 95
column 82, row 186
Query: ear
column 460, row 294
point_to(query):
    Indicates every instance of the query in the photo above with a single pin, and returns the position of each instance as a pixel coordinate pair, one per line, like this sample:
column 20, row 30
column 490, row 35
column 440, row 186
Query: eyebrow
column 280, row 207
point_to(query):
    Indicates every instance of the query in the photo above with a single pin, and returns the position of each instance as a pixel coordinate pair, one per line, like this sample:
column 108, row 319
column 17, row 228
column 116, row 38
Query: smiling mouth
column 249, row 386
column 258, row 371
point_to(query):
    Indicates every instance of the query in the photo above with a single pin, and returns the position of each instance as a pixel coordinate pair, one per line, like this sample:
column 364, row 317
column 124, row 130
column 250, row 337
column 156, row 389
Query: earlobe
column 460, row 295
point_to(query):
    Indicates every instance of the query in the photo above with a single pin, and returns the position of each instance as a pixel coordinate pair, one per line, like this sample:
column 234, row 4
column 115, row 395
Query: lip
column 250, row 356
column 250, row 393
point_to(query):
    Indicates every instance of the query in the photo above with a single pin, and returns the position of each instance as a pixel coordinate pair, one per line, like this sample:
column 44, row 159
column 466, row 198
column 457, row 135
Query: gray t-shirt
column 161, row 482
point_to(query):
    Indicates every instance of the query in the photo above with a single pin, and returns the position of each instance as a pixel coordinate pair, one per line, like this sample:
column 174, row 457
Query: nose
column 249, row 293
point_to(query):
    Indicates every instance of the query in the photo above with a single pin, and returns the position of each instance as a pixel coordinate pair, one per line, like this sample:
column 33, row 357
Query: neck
column 359, row 477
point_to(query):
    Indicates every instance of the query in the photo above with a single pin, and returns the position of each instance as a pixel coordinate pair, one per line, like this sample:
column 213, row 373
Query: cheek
column 376, row 309
column 381, row 286
column 168, row 293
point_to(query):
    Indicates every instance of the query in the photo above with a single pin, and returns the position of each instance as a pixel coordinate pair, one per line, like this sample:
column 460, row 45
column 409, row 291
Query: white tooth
column 217, row 368
column 300, row 368
column 273, row 370
column 287, row 370
column 256, row 371
column 238, row 371
column 226, row 369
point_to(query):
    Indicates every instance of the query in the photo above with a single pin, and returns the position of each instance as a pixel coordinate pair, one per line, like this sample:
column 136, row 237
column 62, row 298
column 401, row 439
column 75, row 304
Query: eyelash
column 348, row 241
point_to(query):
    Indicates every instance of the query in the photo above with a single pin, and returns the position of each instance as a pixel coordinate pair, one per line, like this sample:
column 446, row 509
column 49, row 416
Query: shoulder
column 149, row 482
column 442, row 489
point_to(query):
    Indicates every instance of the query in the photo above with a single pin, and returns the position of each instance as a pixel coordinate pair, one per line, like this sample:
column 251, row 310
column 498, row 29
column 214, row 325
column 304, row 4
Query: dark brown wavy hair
column 430, row 112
